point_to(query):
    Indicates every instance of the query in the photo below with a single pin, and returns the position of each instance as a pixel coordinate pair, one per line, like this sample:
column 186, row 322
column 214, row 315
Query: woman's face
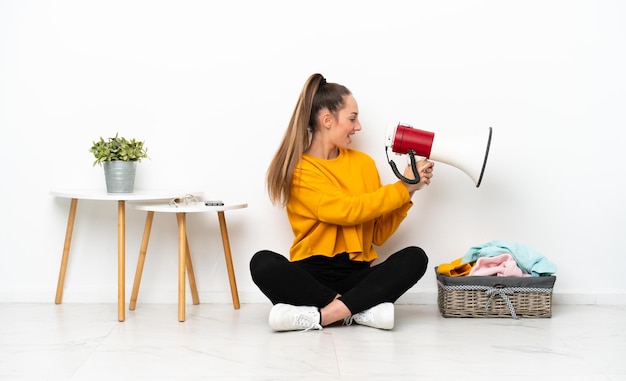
column 345, row 124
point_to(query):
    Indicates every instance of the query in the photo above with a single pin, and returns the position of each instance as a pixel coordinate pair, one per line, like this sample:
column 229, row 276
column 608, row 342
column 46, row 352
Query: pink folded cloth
column 499, row 265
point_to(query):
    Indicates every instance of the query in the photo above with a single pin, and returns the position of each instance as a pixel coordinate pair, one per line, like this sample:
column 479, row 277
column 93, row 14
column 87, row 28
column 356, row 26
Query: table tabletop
column 138, row 195
column 195, row 207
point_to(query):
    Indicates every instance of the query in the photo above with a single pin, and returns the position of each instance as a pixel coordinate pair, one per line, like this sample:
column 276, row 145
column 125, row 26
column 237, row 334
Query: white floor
column 86, row 342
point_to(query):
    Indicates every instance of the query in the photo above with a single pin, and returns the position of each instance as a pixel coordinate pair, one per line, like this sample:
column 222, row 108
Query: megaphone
column 467, row 153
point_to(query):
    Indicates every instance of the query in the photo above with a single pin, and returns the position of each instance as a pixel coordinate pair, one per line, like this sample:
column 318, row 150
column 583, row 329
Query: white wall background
column 210, row 87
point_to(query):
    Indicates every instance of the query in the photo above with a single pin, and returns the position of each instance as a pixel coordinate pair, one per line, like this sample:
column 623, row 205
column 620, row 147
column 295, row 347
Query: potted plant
column 119, row 157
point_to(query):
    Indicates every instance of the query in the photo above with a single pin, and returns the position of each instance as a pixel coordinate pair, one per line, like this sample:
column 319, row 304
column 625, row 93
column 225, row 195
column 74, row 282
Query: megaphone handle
column 394, row 168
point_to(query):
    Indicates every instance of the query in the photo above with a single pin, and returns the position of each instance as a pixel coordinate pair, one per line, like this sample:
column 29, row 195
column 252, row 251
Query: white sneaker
column 379, row 316
column 285, row 317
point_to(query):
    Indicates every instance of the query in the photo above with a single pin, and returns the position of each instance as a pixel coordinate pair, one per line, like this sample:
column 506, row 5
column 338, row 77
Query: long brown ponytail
column 315, row 96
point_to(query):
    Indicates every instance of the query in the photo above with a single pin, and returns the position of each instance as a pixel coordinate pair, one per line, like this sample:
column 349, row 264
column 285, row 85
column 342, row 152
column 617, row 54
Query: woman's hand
column 425, row 170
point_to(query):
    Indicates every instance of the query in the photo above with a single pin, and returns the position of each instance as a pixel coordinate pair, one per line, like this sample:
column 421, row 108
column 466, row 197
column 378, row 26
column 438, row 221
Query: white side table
column 184, row 257
column 121, row 198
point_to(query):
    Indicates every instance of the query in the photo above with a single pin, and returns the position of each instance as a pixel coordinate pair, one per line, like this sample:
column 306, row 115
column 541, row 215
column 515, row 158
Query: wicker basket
column 495, row 297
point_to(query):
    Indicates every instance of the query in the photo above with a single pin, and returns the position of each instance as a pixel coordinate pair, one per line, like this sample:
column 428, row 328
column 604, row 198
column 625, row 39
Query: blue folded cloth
column 527, row 258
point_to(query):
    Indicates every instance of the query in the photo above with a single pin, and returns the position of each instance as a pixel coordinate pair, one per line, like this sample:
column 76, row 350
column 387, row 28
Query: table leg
column 182, row 254
column 229, row 259
column 66, row 250
column 141, row 260
column 121, row 258
column 192, row 277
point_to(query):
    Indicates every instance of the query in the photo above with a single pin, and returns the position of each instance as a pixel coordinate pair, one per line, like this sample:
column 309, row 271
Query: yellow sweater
column 339, row 205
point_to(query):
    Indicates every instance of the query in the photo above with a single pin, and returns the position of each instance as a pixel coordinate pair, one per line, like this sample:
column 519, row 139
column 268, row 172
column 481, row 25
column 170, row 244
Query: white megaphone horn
column 467, row 153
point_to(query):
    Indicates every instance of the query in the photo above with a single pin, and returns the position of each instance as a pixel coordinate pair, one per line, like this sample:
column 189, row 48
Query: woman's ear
column 327, row 119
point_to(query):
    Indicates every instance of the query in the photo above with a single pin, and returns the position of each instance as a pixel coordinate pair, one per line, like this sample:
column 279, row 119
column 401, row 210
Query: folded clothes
column 499, row 265
column 454, row 268
column 527, row 258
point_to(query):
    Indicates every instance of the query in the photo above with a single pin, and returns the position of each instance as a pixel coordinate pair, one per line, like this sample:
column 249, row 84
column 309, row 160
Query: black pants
column 317, row 280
